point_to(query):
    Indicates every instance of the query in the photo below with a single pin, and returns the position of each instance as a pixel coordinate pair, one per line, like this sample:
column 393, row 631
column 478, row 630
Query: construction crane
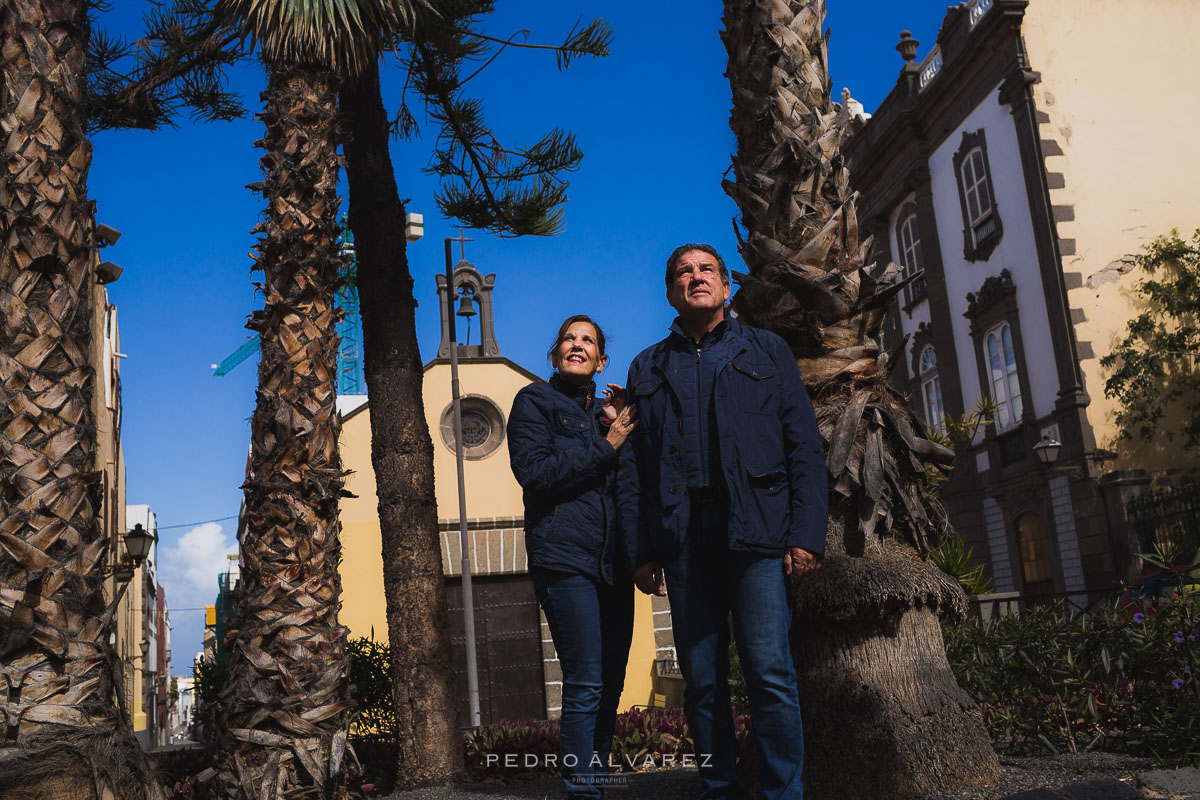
column 349, row 370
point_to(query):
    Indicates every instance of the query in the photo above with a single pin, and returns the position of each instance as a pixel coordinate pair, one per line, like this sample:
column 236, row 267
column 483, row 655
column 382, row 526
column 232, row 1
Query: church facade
column 519, row 673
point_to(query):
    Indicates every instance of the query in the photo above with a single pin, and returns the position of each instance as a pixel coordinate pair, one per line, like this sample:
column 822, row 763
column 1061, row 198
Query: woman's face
column 578, row 356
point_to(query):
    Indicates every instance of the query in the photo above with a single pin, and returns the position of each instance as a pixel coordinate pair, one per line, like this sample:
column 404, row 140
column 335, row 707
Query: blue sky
column 652, row 120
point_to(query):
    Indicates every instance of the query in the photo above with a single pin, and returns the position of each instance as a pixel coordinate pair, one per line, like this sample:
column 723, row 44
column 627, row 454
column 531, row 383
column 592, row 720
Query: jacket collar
column 579, row 395
column 733, row 332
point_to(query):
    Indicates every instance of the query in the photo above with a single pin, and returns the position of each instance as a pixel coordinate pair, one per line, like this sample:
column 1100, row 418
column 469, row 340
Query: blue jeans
column 592, row 626
column 705, row 583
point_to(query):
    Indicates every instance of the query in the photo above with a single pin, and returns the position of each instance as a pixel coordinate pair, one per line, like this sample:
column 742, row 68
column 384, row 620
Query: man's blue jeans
column 592, row 626
column 705, row 584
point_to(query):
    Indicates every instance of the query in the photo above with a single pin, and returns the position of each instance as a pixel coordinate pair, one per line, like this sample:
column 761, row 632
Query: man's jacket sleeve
column 631, row 501
column 543, row 464
column 804, row 454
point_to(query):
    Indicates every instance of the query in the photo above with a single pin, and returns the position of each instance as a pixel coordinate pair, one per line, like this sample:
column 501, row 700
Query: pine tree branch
column 468, row 145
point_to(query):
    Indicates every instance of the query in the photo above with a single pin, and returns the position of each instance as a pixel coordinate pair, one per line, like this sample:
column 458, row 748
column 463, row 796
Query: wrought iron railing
column 1167, row 520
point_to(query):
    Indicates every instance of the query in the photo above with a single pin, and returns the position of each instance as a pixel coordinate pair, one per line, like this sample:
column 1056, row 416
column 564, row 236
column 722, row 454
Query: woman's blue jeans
column 707, row 584
column 592, row 626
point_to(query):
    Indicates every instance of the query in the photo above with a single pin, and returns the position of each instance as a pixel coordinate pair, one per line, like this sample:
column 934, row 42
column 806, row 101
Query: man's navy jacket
column 770, row 450
column 564, row 464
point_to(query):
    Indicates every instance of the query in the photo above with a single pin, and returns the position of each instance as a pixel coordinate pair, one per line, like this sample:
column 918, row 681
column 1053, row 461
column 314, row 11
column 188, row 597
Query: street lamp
column 137, row 546
column 138, row 543
column 1047, row 450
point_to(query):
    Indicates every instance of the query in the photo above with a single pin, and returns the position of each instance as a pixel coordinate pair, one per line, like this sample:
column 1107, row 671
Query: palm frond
column 343, row 35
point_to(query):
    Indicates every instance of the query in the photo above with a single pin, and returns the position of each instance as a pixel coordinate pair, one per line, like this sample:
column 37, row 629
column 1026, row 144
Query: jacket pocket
column 753, row 385
column 768, row 480
column 767, row 506
column 647, row 400
column 571, row 424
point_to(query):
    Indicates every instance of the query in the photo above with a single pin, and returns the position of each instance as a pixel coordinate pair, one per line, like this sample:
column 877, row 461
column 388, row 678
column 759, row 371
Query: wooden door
column 508, row 644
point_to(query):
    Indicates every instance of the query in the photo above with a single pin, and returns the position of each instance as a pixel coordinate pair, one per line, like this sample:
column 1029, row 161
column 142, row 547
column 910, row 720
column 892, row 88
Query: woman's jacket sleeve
column 545, row 463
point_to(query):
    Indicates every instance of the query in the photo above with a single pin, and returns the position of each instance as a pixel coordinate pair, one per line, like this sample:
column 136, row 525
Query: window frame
column 977, row 246
column 929, row 380
column 989, row 310
column 1012, row 405
column 912, row 257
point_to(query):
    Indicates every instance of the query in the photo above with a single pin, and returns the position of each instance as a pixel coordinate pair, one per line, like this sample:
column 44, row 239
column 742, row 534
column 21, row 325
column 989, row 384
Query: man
column 723, row 492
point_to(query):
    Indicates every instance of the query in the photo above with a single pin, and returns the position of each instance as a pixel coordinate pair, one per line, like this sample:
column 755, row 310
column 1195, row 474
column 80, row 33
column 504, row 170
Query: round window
column 482, row 427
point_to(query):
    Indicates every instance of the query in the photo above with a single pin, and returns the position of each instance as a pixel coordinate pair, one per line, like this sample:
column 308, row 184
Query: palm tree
column 285, row 708
column 67, row 736
column 875, row 687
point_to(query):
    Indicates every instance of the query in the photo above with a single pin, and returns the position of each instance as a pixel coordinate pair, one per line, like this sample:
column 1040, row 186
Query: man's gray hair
column 678, row 253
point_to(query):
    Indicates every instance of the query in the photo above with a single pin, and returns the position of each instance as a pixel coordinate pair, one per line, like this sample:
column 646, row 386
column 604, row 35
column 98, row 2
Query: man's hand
column 649, row 578
column 796, row 561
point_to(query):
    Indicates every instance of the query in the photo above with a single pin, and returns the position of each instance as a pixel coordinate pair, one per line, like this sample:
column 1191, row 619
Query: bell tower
column 473, row 291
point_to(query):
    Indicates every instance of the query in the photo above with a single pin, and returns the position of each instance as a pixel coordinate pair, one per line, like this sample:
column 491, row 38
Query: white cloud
column 189, row 568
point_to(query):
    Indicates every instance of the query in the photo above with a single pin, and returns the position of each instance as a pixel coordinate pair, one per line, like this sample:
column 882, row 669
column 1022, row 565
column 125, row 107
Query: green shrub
column 210, row 676
column 1121, row 678
column 958, row 561
column 371, row 689
column 642, row 737
column 509, row 750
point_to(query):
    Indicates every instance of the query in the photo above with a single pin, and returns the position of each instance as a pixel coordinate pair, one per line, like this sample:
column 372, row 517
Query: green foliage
column 371, row 689
column 525, row 743
column 737, row 682
column 181, row 60
column 210, row 680
column 957, row 560
column 342, row 35
column 958, row 435
column 487, row 185
column 1121, row 678
column 1155, row 368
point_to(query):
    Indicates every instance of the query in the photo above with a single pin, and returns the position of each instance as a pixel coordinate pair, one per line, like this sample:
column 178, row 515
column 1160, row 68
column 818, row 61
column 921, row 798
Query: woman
column 563, row 451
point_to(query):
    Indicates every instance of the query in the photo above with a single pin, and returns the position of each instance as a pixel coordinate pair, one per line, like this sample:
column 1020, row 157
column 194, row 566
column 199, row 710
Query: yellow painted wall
column 1116, row 84
column 639, row 672
column 492, row 491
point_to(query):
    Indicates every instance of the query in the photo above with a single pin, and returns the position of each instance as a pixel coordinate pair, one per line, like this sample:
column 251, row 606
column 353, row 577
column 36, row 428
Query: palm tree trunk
column 875, row 688
column 285, row 707
column 66, row 734
column 430, row 746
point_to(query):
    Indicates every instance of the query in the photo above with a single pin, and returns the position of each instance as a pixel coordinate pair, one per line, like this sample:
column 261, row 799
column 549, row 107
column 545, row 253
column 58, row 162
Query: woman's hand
column 619, row 431
column 614, row 401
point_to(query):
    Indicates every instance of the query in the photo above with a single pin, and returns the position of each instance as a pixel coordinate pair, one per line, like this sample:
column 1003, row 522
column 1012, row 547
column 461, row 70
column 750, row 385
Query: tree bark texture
column 65, row 734
column 869, row 695
column 430, row 745
column 285, row 707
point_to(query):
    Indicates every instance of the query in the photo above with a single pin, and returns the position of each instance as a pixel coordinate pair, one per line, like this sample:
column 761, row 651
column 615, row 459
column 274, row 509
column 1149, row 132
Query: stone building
column 1021, row 165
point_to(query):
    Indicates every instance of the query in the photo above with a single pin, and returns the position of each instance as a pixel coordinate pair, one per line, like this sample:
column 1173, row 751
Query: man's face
column 697, row 285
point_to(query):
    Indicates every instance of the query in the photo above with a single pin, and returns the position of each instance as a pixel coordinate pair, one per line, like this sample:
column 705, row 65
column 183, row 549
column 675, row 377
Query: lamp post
column 464, row 539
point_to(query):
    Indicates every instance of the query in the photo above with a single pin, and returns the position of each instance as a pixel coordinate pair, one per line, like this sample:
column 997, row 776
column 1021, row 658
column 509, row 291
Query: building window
column 908, row 236
column 1004, row 382
column 931, row 391
column 482, row 427
column 977, row 197
column 1033, row 547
